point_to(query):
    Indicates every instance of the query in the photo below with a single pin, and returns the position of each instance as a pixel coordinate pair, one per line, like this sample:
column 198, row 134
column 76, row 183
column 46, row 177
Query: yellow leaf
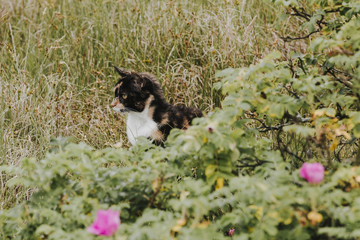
column 219, row 183
column 176, row 228
column 259, row 211
column 181, row 221
column 274, row 215
column 179, row 224
column 330, row 112
column 314, row 217
column 288, row 221
column 184, row 195
column 265, row 108
column 210, row 169
column 334, row 144
column 155, row 184
column 357, row 179
column 202, row 225
column 341, row 131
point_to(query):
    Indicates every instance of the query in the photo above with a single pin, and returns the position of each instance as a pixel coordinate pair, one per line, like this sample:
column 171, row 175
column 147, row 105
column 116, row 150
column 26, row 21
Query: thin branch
column 321, row 21
column 302, row 14
column 298, row 118
column 286, row 150
column 337, row 155
column 307, row 17
column 156, row 191
column 277, row 127
column 342, row 72
column 258, row 162
column 302, row 65
column 291, row 65
column 303, row 149
column 251, row 165
column 292, row 154
column 346, row 83
column 278, row 140
column 287, row 38
column 259, row 120
column 292, row 92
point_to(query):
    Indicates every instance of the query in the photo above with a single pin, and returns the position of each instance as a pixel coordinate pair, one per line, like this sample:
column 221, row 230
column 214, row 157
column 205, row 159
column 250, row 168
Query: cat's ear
column 122, row 72
column 140, row 81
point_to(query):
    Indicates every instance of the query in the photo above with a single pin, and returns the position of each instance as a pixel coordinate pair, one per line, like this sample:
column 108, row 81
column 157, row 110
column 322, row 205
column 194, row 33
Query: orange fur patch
column 165, row 119
column 157, row 135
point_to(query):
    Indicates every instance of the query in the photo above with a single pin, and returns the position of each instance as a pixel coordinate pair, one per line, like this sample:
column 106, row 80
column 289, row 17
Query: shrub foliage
column 238, row 168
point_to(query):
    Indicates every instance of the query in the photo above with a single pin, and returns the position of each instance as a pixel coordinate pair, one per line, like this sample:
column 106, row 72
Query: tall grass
column 56, row 60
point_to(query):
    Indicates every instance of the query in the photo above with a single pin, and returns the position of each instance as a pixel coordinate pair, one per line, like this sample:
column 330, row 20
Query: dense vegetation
column 238, row 168
column 56, row 62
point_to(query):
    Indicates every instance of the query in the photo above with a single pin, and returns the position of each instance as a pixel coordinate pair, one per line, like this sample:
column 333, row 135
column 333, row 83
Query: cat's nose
column 114, row 102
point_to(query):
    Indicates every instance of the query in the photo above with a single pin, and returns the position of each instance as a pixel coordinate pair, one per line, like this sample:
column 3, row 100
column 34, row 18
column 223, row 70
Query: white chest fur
column 139, row 125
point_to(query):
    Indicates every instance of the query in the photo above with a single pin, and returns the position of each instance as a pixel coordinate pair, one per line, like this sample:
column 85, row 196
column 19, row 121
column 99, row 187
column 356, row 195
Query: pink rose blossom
column 106, row 223
column 312, row 172
column 231, row 232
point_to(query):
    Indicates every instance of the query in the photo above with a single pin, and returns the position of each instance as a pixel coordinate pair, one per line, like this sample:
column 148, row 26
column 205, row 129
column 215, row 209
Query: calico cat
column 149, row 115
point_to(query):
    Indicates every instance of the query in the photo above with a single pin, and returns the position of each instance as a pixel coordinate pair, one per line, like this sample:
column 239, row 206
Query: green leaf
column 45, row 229
column 276, row 110
column 210, row 170
column 304, row 131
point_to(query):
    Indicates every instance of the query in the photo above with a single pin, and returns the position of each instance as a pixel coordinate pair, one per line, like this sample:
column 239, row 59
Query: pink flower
column 106, row 223
column 312, row 172
column 231, row 232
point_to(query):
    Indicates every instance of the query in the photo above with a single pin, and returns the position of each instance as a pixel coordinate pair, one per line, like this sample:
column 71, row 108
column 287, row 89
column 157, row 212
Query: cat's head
column 132, row 91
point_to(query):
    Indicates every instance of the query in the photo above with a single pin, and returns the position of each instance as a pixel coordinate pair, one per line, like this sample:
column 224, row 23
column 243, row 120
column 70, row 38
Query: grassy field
column 56, row 58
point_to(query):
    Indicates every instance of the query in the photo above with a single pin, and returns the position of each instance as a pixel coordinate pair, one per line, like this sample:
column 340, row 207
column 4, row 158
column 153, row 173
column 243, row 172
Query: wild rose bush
column 75, row 182
column 235, row 174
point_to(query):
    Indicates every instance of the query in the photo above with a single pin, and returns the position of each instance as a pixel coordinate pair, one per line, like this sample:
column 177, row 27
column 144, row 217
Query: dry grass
column 55, row 63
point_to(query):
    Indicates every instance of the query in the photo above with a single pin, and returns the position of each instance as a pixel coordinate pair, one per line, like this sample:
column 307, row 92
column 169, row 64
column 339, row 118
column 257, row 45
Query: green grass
column 56, row 58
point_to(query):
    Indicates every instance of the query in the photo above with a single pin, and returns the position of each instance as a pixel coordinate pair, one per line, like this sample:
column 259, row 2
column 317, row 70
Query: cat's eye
column 124, row 96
